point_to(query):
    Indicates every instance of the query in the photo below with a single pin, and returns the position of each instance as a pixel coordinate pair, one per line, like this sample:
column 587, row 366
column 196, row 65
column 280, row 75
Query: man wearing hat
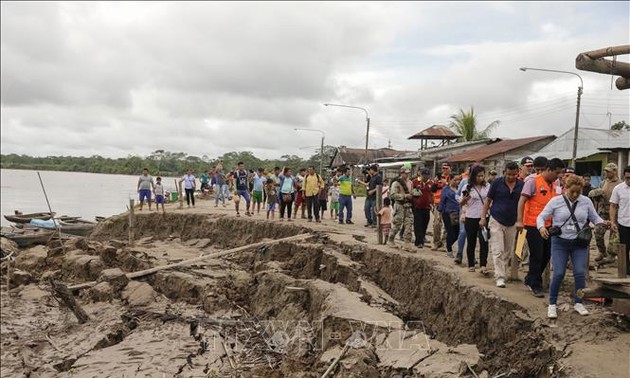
column 526, row 169
column 602, row 204
column 400, row 194
column 439, row 183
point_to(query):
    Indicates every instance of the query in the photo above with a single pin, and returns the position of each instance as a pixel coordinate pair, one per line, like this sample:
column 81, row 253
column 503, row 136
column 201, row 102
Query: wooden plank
column 613, row 281
column 146, row 272
column 603, row 66
column 604, row 292
column 608, row 51
column 622, row 262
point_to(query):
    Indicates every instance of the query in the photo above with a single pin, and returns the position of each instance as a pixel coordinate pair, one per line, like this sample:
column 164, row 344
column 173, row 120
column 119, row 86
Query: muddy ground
column 286, row 309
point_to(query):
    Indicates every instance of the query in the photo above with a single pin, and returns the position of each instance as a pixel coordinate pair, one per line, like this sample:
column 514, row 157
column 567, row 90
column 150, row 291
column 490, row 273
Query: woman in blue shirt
column 567, row 244
column 287, row 191
column 449, row 208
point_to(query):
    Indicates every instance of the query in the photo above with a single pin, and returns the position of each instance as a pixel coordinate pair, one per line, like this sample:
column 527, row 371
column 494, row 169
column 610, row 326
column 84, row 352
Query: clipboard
column 520, row 243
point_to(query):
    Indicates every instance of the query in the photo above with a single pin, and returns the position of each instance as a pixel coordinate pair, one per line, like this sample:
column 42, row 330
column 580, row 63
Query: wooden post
column 180, row 195
column 379, row 206
column 61, row 291
column 622, row 261
column 547, row 276
column 514, row 263
column 131, row 221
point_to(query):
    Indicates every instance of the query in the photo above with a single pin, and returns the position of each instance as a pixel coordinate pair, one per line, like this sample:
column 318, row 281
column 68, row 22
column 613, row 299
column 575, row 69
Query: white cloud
column 207, row 78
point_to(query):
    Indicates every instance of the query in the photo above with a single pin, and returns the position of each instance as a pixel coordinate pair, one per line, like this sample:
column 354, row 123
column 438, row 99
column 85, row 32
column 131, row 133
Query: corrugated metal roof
column 436, row 132
column 355, row 155
column 484, row 152
column 589, row 143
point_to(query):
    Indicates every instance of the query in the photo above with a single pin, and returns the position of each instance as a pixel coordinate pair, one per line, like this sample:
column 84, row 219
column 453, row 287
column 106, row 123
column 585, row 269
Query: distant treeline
column 159, row 162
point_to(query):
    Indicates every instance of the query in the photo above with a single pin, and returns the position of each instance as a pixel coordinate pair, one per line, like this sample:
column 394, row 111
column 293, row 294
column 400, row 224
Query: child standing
column 386, row 218
column 323, row 199
column 158, row 190
column 334, row 199
column 272, row 198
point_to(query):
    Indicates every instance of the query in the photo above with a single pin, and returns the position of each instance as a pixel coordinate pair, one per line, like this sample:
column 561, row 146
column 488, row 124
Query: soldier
column 602, row 205
column 400, row 194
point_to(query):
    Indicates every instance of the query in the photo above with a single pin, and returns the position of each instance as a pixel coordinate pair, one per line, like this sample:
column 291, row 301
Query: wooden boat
column 26, row 218
column 78, row 227
column 28, row 236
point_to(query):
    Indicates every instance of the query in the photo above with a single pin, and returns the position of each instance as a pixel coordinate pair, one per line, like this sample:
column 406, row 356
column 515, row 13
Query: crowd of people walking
column 539, row 200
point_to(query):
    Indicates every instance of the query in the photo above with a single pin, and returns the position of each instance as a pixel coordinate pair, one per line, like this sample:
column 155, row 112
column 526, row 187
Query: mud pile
column 287, row 309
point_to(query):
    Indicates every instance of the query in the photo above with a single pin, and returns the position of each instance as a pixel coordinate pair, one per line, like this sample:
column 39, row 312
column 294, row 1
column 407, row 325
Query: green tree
column 465, row 124
column 621, row 125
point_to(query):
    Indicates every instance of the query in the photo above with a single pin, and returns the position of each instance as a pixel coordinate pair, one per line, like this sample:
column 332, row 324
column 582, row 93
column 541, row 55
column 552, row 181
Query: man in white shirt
column 620, row 211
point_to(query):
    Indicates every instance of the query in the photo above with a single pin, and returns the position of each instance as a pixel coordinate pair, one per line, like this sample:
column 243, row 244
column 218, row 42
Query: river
column 70, row 193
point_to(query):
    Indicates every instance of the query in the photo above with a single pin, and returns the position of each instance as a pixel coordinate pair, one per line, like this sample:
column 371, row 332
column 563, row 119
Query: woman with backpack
column 287, row 192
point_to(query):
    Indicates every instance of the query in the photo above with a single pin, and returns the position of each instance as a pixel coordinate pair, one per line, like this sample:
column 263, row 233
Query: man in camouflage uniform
column 601, row 197
column 400, row 194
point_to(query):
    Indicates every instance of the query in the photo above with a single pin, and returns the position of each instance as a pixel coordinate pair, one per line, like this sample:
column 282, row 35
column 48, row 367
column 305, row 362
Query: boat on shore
column 26, row 218
column 28, row 236
column 71, row 225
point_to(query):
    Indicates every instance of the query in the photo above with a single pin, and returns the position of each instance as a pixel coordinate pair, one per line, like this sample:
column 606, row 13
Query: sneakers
column 349, row 222
column 552, row 312
column 580, row 309
column 536, row 292
column 458, row 261
column 500, row 282
column 449, row 254
column 483, row 270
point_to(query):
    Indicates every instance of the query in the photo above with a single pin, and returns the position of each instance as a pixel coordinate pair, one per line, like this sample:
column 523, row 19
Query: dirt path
column 289, row 309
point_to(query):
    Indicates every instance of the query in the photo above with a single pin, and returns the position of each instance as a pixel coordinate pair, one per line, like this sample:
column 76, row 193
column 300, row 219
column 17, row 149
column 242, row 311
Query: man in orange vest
column 439, row 182
column 537, row 192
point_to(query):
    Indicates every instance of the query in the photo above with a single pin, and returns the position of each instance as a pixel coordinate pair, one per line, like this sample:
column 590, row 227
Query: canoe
column 78, row 227
column 27, row 237
column 26, row 218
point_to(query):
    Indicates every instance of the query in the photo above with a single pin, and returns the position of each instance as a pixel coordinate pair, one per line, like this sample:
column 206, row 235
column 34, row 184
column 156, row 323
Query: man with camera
column 400, row 194
column 536, row 193
column 502, row 202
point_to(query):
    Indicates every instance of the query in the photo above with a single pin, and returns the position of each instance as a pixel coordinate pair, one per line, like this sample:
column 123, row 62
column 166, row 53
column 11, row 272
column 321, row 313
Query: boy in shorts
column 334, row 199
column 272, row 198
column 158, row 190
column 323, row 199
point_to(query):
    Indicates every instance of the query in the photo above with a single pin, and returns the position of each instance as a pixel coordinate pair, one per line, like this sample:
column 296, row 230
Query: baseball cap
column 446, row 164
column 610, row 167
column 425, row 171
column 569, row 170
column 493, row 172
column 527, row 161
column 405, row 170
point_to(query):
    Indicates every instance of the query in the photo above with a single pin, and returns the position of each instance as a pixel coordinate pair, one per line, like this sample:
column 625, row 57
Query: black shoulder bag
column 584, row 234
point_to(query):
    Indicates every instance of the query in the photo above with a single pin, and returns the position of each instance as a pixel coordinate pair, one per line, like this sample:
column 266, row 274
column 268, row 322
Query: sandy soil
column 287, row 310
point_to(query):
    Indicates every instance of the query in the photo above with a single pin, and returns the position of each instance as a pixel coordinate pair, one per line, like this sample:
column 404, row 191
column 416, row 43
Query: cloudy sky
column 206, row 78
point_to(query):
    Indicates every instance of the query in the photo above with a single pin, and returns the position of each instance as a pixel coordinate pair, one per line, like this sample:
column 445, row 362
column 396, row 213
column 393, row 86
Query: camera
column 466, row 191
column 554, row 231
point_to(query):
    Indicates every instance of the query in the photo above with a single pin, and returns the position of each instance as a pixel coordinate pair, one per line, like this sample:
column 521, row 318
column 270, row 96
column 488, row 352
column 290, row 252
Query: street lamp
column 367, row 119
column 321, row 151
column 577, row 112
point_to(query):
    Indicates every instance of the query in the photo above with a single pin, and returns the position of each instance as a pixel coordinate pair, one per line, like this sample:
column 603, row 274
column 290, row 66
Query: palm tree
column 465, row 124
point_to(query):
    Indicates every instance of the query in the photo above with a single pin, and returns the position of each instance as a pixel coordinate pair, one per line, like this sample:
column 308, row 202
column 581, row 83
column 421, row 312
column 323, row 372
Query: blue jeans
column 244, row 194
column 461, row 241
column 345, row 202
column 223, row 192
column 370, row 204
column 561, row 250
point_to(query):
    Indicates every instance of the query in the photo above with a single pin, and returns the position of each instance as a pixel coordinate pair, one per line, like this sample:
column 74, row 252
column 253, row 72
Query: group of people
column 542, row 198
